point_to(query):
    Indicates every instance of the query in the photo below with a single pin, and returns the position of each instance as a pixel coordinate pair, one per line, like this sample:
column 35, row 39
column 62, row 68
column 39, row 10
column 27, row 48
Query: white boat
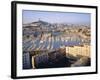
column 41, row 41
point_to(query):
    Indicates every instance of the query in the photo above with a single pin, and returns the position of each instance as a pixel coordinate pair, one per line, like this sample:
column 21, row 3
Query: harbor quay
column 48, row 45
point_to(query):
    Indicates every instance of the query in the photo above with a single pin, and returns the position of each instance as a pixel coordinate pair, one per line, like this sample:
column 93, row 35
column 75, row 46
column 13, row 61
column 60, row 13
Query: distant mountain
column 36, row 24
column 40, row 22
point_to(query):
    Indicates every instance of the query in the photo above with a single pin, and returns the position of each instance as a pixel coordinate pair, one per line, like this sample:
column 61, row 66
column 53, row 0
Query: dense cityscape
column 49, row 45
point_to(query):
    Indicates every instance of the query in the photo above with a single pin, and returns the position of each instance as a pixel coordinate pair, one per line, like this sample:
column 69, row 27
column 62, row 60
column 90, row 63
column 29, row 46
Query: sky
column 56, row 17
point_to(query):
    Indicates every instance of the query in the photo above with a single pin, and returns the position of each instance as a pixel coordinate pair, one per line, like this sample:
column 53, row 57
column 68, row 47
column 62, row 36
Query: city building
column 83, row 50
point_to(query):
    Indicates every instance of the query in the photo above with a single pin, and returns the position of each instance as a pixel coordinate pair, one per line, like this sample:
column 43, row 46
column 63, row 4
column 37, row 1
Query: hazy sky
column 56, row 17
